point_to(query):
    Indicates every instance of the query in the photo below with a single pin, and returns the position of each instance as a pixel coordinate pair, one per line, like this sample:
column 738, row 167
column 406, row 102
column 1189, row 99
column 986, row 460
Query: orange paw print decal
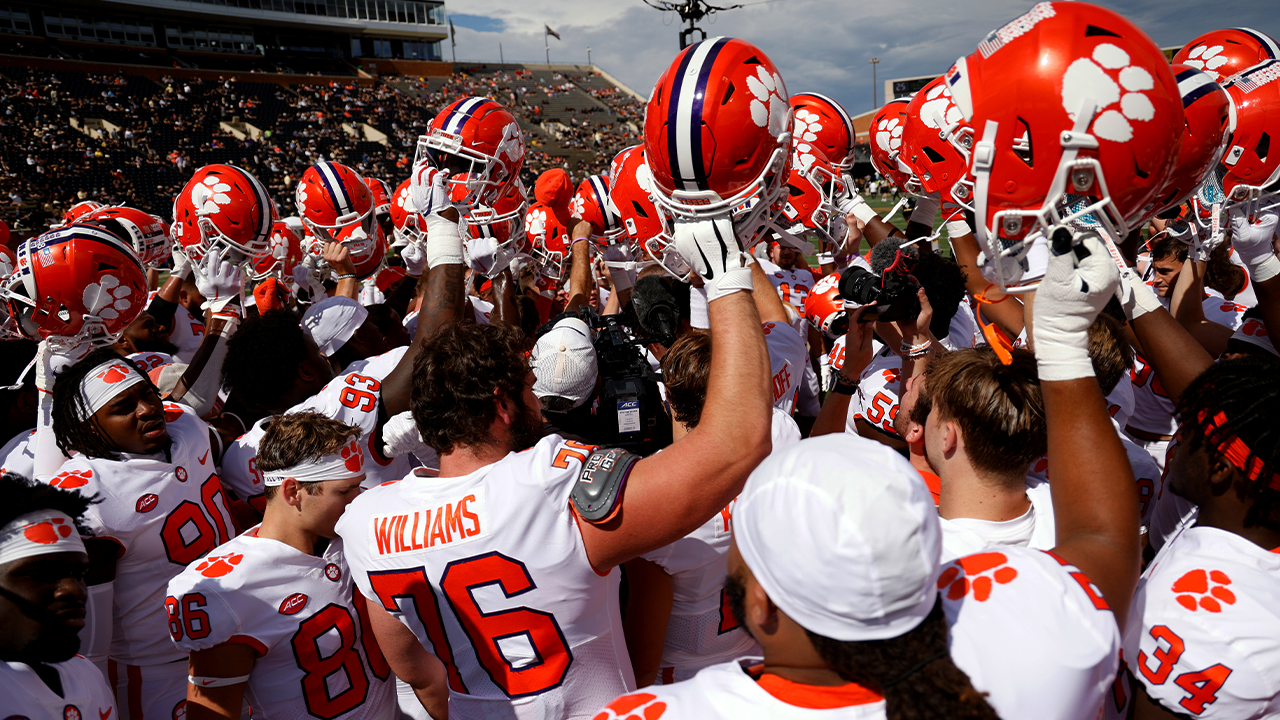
column 220, row 565
column 172, row 412
column 640, row 706
column 1204, row 590
column 70, row 480
column 48, row 532
column 968, row 573
column 353, row 457
column 113, row 374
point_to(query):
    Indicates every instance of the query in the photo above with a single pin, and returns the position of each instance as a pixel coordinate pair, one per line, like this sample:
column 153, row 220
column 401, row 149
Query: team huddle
column 618, row 450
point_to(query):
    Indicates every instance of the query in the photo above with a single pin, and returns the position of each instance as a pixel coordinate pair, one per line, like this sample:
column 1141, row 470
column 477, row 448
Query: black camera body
column 630, row 412
column 891, row 294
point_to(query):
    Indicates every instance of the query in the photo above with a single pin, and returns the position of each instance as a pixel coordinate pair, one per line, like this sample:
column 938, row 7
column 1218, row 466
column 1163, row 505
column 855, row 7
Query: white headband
column 39, row 533
column 346, row 464
column 103, row 383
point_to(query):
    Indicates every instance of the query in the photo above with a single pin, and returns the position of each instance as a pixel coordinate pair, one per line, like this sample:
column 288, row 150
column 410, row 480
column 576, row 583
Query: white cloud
column 818, row 45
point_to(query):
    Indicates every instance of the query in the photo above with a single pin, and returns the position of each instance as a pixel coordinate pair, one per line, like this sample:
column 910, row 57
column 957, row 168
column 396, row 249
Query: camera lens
column 859, row 285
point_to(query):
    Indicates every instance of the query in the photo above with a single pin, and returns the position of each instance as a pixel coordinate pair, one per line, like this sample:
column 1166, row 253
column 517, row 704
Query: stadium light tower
column 874, row 63
column 690, row 11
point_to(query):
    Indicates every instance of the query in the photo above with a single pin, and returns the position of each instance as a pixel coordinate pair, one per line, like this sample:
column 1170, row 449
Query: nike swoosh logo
column 204, row 457
column 208, row 682
column 104, row 715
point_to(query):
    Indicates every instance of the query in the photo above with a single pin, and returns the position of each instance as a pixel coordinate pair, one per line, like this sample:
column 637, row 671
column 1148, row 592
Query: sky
column 819, row 46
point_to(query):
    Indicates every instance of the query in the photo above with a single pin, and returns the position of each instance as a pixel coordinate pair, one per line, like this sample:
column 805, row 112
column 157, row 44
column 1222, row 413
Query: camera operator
column 564, row 363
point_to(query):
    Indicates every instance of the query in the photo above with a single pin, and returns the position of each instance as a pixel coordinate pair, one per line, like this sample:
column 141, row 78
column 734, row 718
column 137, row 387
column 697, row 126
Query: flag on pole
column 452, row 38
column 551, row 32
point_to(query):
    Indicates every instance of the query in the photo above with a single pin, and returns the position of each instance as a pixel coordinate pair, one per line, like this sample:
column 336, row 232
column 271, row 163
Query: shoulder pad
column 597, row 492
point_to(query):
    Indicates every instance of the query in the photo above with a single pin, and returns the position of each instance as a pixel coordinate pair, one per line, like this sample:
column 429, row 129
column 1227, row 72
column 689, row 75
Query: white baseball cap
column 332, row 321
column 843, row 535
column 564, row 362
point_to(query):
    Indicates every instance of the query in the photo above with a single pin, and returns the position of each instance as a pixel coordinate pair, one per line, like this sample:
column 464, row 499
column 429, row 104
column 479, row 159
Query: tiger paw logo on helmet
column 107, row 298
column 1207, row 58
column 938, row 110
column 970, row 574
column 769, row 106
column 889, row 135
column 1204, row 590
column 210, row 193
column 1107, row 78
column 578, row 206
column 640, row 706
column 807, row 125
column 219, row 565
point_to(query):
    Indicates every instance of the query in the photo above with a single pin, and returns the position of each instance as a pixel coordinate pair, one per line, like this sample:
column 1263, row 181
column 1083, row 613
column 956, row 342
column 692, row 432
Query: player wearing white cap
column 835, row 570
column 270, row 616
column 341, row 328
column 505, row 565
column 42, row 607
column 161, row 507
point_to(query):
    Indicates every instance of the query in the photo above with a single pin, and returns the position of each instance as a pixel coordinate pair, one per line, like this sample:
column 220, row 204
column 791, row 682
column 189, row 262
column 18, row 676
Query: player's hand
column 307, row 281
column 858, row 351
column 181, row 263
column 711, row 248
column 270, row 294
column 1080, row 279
column 1253, row 240
column 221, row 281
column 430, row 190
column 487, row 257
column 338, row 257
column 415, row 259
column 1140, row 299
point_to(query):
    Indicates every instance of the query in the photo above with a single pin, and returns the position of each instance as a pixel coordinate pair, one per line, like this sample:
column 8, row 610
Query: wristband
column 926, row 211
column 345, row 276
column 863, row 211
column 958, row 228
column 826, row 258
column 444, row 242
column 843, row 387
column 1265, row 269
column 621, row 279
column 732, row 281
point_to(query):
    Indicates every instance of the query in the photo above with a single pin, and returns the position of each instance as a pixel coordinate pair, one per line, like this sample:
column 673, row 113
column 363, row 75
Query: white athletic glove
column 711, row 249
column 856, row 205
column 181, row 263
column 400, row 436
column 430, row 189
column 1141, row 299
column 370, row 294
column 1079, row 281
column 486, row 257
column 220, row 283
column 621, row 278
column 305, row 278
column 415, row 259
column 1253, row 242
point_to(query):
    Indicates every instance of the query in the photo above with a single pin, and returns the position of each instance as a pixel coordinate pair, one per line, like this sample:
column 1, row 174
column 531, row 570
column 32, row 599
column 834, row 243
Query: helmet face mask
column 226, row 207
column 1248, row 173
column 479, row 137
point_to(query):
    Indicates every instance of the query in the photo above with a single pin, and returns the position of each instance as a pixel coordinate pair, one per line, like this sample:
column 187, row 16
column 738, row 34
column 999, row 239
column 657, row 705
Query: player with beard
column 153, row 465
column 505, row 567
column 42, row 606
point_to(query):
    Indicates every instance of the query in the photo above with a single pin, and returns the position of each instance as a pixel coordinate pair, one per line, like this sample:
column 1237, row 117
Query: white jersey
column 1032, row 632
column 18, row 455
column 490, row 572
column 727, row 691
column 877, row 398
column 1204, row 631
column 701, row 630
column 352, row 398
column 188, row 333
column 85, row 695
column 787, row 357
column 164, row 515
column 1033, row 529
column 793, row 285
column 316, row 654
column 1146, row 475
column 1153, row 411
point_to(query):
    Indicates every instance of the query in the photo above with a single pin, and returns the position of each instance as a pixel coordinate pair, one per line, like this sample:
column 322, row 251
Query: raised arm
column 1188, row 308
column 1252, row 240
column 1170, row 350
column 580, row 281
column 443, row 300
column 670, row 494
column 1003, row 310
column 1095, row 506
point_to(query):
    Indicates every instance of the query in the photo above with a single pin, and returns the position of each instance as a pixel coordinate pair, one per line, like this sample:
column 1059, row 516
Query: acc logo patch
column 147, row 503
column 293, row 604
